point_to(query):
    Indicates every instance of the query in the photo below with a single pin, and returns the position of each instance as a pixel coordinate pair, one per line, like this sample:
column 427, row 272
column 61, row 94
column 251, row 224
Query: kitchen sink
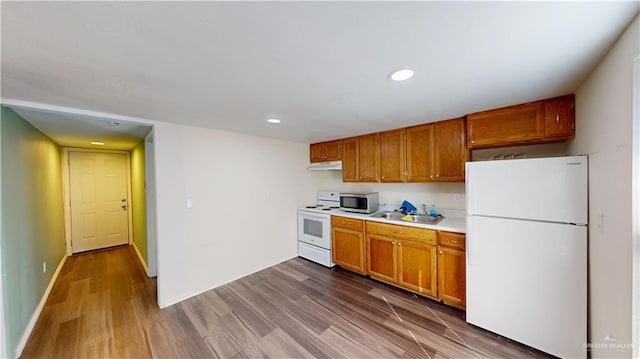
column 426, row 219
column 388, row 215
column 418, row 218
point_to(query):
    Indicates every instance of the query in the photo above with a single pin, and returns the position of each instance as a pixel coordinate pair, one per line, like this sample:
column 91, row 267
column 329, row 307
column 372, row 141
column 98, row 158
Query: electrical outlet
column 44, row 267
column 457, row 198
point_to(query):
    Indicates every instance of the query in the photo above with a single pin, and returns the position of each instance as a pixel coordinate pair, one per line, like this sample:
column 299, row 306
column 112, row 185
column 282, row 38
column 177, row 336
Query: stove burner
column 334, row 207
column 310, row 207
column 326, row 209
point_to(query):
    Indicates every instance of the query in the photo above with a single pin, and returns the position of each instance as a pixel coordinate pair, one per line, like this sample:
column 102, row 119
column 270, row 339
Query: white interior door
column 99, row 202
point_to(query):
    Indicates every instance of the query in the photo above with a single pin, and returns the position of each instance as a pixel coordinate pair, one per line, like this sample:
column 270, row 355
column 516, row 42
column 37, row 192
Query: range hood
column 326, row 166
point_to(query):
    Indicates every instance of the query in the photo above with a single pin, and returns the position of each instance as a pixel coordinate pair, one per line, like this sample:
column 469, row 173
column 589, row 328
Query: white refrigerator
column 527, row 251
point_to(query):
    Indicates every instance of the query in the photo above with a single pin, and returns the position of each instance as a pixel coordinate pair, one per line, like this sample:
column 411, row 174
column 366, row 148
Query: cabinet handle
column 454, row 242
column 398, row 232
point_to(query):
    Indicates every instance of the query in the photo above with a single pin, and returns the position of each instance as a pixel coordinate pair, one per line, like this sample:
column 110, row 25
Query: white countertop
column 453, row 221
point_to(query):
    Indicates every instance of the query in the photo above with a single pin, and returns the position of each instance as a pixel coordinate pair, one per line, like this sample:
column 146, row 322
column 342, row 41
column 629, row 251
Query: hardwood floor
column 103, row 305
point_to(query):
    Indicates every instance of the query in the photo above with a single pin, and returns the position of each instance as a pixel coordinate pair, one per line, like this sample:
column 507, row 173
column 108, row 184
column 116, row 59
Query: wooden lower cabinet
column 403, row 256
column 347, row 239
column 382, row 258
column 452, row 269
column 417, row 267
column 424, row 261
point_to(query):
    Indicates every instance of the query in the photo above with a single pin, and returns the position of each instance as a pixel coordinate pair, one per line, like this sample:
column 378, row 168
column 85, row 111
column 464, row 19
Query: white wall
column 440, row 194
column 604, row 113
column 245, row 191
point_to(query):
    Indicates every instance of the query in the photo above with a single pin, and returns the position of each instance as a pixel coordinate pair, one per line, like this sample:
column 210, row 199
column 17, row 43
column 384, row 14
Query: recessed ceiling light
column 97, row 143
column 273, row 120
column 401, row 75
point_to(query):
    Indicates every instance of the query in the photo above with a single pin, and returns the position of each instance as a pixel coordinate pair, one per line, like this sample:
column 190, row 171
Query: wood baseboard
column 36, row 313
column 144, row 265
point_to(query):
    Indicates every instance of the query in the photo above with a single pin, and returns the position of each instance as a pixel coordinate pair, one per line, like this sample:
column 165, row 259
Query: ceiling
column 320, row 67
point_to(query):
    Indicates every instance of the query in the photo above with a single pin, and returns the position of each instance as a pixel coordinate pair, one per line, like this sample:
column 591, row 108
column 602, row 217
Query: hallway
column 98, row 307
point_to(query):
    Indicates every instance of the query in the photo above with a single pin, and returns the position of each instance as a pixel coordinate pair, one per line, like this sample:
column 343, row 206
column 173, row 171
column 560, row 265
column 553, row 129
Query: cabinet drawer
column 451, row 240
column 346, row 223
column 402, row 232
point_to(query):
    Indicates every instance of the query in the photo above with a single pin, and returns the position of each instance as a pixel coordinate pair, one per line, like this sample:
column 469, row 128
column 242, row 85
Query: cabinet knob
column 437, row 176
column 440, row 252
column 473, row 141
column 382, row 177
column 431, row 176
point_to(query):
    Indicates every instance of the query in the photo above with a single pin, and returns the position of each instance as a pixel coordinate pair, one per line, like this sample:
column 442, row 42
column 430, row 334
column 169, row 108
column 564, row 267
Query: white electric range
column 314, row 228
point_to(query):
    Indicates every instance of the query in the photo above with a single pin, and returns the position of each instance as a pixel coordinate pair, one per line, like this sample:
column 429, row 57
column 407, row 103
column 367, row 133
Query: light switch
column 189, row 203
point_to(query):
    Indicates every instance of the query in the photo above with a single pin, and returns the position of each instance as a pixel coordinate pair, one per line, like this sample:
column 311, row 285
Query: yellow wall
column 138, row 202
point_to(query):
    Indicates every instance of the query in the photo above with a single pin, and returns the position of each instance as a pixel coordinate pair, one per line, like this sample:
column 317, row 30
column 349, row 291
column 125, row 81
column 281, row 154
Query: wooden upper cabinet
column 392, row 154
column 350, row 160
column 361, row 159
column 450, row 151
column 559, row 117
column 420, row 153
column 506, row 126
column 368, row 158
column 326, row 151
column 437, row 151
column 549, row 120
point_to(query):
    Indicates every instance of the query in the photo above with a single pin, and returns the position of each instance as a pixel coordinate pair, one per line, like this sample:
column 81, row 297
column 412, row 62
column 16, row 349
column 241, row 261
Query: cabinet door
column 559, row 117
column 348, row 249
column 381, row 256
column 420, row 153
column 316, row 152
column 368, row 158
column 450, row 150
column 506, row 126
column 392, row 150
column 350, row 160
column 452, row 276
column 417, row 267
column 333, row 150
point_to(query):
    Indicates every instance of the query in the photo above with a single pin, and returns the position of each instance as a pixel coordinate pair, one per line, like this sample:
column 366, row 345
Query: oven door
column 314, row 229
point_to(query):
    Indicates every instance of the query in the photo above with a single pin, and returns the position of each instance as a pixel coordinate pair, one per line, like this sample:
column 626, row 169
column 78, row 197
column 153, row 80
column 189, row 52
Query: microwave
column 363, row 202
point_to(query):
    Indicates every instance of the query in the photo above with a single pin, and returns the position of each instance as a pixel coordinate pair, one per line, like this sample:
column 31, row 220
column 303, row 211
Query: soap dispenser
column 433, row 212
